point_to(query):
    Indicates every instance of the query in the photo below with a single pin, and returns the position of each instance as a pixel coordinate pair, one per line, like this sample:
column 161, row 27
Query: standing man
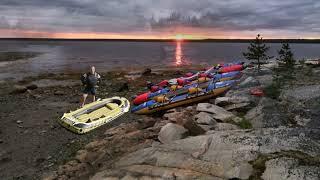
column 90, row 81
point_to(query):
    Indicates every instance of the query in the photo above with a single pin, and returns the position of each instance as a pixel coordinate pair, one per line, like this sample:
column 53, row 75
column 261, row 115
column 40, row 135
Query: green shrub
column 286, row 56
column 245, row 124
column 273, row 91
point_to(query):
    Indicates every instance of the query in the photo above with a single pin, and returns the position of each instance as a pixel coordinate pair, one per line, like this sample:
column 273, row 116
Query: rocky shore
column 235, row 136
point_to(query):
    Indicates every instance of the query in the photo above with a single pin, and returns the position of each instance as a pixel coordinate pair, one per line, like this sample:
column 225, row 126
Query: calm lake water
column 66, row 56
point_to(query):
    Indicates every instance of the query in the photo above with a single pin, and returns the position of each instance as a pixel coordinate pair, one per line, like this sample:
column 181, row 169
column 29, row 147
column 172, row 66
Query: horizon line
column 170, row 39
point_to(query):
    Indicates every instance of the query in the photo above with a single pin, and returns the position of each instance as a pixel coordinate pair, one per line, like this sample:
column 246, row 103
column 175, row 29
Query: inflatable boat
column 216, row 77
column 95, row 114
column 214, row 70
column 237, row 67
column 194, row 93
column 181, row 83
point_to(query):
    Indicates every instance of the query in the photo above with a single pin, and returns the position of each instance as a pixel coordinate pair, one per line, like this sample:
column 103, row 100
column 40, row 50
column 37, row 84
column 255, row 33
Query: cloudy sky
column 160, row 18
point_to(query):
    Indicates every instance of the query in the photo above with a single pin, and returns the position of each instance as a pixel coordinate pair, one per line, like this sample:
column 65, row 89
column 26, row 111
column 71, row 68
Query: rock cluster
column 116, row 142
column 238, row 136
column 224, row 155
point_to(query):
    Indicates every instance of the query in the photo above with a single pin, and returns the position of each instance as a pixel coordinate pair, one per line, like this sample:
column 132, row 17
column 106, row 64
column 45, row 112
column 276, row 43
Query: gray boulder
column 171, row 132
column 249, row 82
column 193, row 128
column 205, row 118
column 265, row 80
column 243, row 93
column 32, row 86
column 218, row 112
column 172, row 116
column 17, row 89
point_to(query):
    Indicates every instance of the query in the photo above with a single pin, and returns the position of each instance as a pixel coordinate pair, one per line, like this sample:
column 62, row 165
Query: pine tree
column 257, row 51
column 286, row 55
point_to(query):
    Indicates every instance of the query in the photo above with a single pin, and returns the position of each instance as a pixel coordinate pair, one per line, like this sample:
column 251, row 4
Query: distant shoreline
column 171, row 40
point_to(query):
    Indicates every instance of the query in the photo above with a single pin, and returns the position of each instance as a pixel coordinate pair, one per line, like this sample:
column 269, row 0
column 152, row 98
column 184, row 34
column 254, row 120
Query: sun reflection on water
column 178, row 54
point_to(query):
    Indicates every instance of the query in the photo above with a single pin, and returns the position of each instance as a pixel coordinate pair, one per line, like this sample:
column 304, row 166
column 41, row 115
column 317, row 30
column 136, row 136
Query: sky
column 159, row 19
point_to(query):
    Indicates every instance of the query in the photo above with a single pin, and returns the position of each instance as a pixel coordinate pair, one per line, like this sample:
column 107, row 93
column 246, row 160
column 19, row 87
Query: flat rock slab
column 219, row 113
column 223, row 154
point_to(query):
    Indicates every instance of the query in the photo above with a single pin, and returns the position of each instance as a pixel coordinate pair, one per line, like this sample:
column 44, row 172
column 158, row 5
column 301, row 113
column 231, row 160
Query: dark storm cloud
column 65, row 15
column 153, row 15
column 247, row 15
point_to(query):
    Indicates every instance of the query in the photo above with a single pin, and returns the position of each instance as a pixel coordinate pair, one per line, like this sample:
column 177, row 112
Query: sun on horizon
column 179, row 37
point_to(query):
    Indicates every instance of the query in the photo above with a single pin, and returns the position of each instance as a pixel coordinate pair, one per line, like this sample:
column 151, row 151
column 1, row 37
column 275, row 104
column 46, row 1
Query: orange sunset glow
column 177, row 34
column 186, row 33
column 167, row 19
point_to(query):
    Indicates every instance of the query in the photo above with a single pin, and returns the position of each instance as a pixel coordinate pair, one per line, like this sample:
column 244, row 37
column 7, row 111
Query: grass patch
column 244, row 124
column 259, row 166
column 282, row 76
